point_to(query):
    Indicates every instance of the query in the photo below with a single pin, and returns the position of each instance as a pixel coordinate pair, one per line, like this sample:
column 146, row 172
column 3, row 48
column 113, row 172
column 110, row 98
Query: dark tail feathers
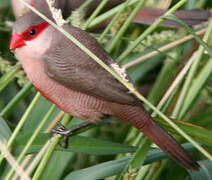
column 139, row 118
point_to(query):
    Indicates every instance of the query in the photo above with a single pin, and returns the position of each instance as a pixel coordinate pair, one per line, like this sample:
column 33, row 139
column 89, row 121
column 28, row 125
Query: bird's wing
column 69, row 65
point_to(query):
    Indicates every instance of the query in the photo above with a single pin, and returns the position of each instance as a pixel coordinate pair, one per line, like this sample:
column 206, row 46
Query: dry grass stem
column 23, row 165
column 177, row 80
column 38, row 157
column 162, row 49
column 12, row 161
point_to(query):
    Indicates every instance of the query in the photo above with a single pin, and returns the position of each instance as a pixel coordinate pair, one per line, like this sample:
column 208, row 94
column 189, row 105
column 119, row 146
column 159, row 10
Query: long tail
column 190, row 17
column 139, row 118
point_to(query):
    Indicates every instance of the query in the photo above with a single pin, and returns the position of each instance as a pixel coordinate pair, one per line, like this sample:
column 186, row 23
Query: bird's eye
column 32, row 32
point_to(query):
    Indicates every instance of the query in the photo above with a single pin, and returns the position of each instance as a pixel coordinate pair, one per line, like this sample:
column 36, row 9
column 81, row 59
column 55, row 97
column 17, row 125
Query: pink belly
column 75, row 103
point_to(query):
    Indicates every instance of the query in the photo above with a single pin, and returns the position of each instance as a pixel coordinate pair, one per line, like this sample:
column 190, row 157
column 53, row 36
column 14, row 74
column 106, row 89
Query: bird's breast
column 75, row 103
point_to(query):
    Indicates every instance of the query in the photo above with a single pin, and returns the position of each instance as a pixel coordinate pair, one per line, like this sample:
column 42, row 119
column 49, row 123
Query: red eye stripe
column 32, row 3
column 38, row 29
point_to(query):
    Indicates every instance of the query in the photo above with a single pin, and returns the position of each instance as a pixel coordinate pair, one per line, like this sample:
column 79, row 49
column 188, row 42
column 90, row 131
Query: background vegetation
column 115, row 150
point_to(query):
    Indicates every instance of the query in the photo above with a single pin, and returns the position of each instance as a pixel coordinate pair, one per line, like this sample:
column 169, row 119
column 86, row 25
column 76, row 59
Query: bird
column 66, row 76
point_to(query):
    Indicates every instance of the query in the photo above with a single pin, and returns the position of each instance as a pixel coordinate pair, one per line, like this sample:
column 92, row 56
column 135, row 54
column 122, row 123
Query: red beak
column 16, row 41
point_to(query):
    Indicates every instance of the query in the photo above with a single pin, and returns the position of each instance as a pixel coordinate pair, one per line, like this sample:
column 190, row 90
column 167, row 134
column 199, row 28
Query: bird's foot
column 61, row 130
column 68, row 132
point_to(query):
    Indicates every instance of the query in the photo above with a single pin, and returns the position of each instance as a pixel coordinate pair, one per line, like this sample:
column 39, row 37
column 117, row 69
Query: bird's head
column 26, row 28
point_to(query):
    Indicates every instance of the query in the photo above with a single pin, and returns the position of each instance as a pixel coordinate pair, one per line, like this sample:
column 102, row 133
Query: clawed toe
column 60, row 126
column 55, row 131
column 60, row 129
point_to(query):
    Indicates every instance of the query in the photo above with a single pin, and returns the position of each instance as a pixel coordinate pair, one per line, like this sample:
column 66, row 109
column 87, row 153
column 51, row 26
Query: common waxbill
column 78, row 85
column 145, row 15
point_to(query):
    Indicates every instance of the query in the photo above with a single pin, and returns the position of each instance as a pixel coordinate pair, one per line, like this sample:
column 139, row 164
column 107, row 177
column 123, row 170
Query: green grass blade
column 205, row 172
column 200, row 134
column 78, row 144
column 191, row 31
column 19, row 96
column 5, row 131
column 124, row 27
column 9, row 76
column 115, row 167
column 196, row 87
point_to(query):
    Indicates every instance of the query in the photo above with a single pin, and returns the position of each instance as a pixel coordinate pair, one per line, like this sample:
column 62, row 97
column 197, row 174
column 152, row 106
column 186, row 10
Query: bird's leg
column 77, row 129
column 69, row 132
